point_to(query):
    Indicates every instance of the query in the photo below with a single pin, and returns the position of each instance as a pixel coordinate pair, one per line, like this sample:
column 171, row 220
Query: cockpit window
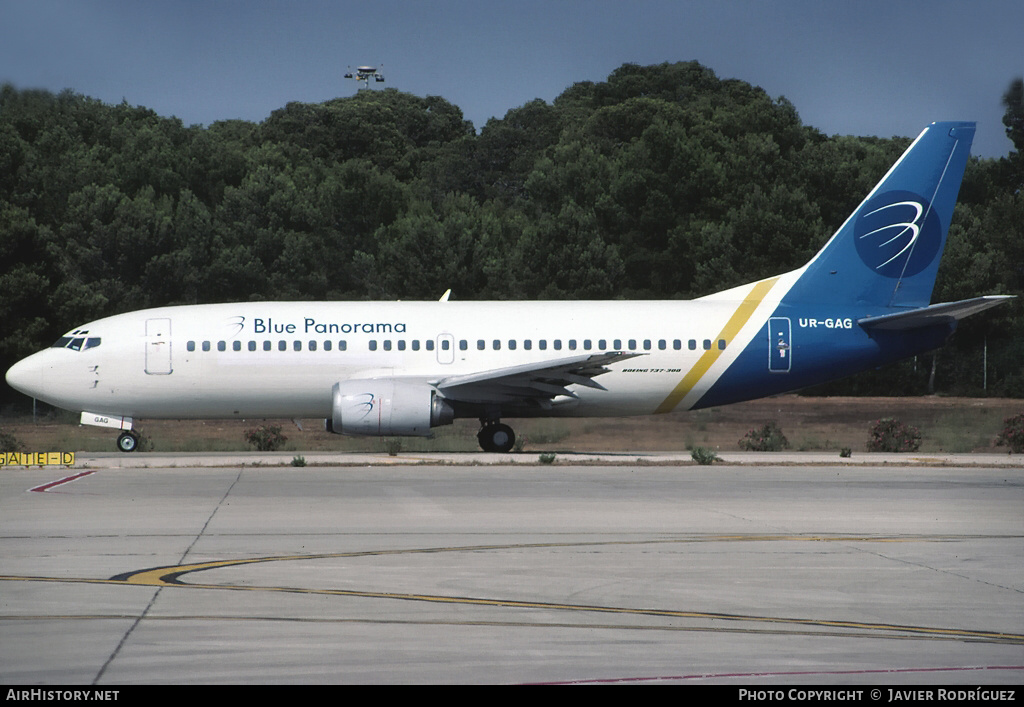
column 77, row 343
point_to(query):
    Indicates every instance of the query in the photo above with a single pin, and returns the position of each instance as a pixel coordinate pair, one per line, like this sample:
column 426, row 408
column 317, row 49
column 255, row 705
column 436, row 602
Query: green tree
column 1013, row 119
column 660, row 181
column 24, row 313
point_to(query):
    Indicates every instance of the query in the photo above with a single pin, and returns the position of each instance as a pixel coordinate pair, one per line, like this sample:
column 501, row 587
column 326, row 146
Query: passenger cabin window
column 190, row 346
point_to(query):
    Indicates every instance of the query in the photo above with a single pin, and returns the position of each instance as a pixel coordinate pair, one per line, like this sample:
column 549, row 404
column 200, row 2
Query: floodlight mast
column 365, row 73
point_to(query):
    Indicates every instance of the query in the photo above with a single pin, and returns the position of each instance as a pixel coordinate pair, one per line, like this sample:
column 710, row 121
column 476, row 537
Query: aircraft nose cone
column 25, row 376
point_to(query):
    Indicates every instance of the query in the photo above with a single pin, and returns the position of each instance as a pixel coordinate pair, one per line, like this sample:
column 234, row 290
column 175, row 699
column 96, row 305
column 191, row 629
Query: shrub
column 704, row 456
column 547, row 458
column 767, row 439
column 891, row 435
column 845, row 452
column 1013, row 433
column 298, row 461
column 266, row 438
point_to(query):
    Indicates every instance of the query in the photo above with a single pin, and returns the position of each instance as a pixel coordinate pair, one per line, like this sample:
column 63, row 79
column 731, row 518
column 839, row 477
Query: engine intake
column 387, row 406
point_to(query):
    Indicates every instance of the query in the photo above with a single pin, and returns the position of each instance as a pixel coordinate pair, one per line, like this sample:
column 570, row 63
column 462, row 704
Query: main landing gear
column 127, row 442
column 495, row 437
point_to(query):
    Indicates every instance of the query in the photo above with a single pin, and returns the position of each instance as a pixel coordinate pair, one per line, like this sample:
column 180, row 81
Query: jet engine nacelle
column 387, row 406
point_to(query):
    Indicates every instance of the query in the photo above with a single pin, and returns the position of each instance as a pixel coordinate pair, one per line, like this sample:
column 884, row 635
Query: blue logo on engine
column 897, row 234
column 362, row 403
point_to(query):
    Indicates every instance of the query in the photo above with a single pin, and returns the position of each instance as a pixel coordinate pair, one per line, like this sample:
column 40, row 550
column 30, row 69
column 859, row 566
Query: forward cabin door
column 158, row 347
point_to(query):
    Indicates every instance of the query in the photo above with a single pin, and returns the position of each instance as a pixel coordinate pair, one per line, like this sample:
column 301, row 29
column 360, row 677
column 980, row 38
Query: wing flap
column 533, row 382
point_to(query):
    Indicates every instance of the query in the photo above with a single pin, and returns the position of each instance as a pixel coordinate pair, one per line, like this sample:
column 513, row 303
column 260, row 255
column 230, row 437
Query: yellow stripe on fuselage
column 732, row 327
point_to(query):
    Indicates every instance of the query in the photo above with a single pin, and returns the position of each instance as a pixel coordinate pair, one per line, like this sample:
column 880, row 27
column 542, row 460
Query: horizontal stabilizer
column 935, row 314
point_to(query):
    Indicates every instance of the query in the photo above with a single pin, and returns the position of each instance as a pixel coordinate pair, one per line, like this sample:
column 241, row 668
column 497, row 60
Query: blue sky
column 863, row 67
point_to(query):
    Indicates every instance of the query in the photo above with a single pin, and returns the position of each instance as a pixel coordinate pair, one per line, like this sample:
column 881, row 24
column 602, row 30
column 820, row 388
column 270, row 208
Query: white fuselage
column 281, row 359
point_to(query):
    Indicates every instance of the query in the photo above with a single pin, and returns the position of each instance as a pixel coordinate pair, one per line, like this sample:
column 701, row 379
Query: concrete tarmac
column 749, row 574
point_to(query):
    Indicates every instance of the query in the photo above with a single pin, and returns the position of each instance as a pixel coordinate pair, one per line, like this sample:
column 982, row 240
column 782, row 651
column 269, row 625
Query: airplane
column 403, row 368
column 365, row 73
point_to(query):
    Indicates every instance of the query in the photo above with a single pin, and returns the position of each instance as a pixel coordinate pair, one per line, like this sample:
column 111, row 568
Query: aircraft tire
column 496, row 438
column 483, row 437
column 127, row 442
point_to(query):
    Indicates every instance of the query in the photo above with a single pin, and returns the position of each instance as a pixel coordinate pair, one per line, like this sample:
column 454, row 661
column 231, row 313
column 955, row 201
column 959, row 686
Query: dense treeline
column 661, row 182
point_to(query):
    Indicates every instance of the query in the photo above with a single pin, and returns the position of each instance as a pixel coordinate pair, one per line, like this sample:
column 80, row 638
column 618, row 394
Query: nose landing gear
column 127, row 442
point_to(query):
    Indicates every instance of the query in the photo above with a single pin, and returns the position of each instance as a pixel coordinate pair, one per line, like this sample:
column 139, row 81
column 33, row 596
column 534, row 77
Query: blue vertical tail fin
column 887, row 252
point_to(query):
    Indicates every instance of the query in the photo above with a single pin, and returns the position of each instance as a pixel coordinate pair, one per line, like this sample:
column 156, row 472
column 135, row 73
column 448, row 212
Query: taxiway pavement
column 427, row 573
column 98, row 460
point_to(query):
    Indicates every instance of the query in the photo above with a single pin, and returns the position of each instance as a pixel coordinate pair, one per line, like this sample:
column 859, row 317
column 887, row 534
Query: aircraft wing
column 934, row 314
column 533, row 382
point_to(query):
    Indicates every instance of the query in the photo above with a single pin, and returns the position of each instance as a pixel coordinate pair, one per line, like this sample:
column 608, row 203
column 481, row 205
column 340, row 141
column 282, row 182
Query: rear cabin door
column 780, row 345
